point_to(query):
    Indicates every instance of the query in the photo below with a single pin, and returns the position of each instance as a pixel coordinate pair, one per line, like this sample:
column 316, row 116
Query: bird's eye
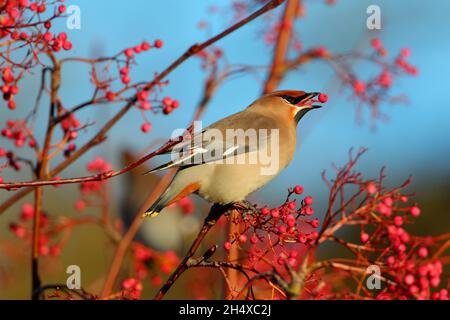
column 294, row 100
column 289, row 99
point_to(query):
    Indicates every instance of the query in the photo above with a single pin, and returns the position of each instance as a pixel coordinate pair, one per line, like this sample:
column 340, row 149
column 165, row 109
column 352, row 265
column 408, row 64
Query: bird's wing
column 216, row 143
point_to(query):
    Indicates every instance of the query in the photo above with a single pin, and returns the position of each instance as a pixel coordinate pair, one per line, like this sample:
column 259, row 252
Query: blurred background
column 413, row 141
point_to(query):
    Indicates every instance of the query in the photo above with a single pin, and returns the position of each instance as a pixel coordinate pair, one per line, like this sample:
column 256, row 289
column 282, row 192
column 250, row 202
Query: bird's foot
column 245, row 207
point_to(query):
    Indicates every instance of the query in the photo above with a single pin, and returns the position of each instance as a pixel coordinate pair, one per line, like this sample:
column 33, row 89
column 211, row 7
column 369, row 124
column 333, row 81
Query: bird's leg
column 244, row 207
column 216, row 211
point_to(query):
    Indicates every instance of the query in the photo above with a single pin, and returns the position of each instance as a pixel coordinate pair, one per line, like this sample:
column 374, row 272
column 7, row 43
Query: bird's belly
column 233, row 183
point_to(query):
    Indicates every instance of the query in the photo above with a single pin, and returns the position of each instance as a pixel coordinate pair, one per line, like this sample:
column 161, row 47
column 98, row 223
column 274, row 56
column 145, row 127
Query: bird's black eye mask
column 295, row 100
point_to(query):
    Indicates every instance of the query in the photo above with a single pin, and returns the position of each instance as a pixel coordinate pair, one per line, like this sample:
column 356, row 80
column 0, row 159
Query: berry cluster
column 22, row 230
column 148, row 264
column 27, row 25
column 289, row 223
column 95, row 188
column 383, row 81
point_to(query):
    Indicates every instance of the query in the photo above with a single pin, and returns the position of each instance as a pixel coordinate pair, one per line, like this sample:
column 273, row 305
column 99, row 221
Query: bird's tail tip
column 150, row 214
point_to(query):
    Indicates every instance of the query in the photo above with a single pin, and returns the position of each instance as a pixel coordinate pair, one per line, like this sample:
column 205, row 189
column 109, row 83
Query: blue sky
column 414, row 141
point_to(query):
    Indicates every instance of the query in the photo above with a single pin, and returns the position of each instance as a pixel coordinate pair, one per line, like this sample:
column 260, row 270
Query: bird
column 223, row 167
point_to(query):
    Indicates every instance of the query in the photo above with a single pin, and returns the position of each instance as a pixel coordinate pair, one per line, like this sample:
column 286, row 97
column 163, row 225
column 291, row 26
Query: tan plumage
column 225, row 183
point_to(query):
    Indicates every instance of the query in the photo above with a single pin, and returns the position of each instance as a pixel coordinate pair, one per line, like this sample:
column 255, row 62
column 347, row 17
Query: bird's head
column 295, row 104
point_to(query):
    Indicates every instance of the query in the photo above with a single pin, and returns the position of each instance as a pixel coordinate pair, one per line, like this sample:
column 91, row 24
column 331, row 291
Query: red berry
column 242, row 238
column 67, row 45
column 41, row 8
column 292, row 205
column 359, row 87
column 7, row 133
column 415, row 211
column 143, row 95
column 124, row 70
column 11, row 104
column 422, row 252
column 145, row 46
column 388, row 201
column 364, row 237
column 167, row 110
column 80, row 205
column 398, row 221
column 315, row 223
column 145, row 105
column 313, row 235
column 281, row 229
column 15, row 35
column 227, row 246
column 413, row 289
column 265, row 211
column 371, row 188
column 390, row 260
column 48, row 36
column 18, row 230
column 129, row 52
column 376, row 44
column 309, row 211
column 146, row 127
column 435, row 281
column 175, row 104
column 110, row 96
column 298, row 189
column 158, row 44
column 309, row 200
column 321, row 51
column 275, row 213
column 385, row 79
column 409, row 279
column 55, row 251
column 126, row 79
column 137, row 49
column 14, row 13
column 323, row 97
column 62, row 8
column 62, row 36
column 167, row 101
column 14, row 90
column 405, row 52
column 71, row 147
column 27, row 212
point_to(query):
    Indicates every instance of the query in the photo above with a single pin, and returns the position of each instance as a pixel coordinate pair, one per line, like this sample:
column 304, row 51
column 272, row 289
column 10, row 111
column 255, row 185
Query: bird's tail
column 174, row 193
column 158, row 205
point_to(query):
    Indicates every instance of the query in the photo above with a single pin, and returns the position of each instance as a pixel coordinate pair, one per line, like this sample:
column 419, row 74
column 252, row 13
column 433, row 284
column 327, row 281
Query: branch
column 282, row 45
column 41, row 172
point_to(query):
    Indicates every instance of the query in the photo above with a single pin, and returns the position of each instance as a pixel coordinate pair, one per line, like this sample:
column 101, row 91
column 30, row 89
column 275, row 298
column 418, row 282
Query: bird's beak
column 306, row 104
column 307, row 101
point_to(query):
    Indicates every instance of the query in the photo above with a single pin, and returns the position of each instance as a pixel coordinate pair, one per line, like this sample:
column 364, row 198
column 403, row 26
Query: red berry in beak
column 323, row 98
